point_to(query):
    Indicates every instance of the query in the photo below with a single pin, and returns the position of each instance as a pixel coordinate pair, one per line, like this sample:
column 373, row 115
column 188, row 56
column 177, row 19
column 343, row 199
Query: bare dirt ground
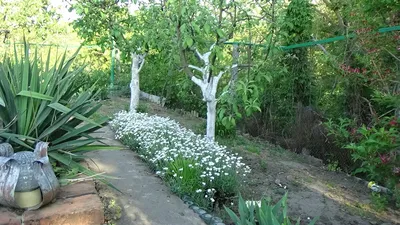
column 313, row 191
column 335, row 197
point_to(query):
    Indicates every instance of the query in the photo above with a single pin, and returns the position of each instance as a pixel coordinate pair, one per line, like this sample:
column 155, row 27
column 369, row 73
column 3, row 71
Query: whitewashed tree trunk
column 211, row 115
column 208, row 86
column 117, row 63
column 137, row 64
column 209, row 90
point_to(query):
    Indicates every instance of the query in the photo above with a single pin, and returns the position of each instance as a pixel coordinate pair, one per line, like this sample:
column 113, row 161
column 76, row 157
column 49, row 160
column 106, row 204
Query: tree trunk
column 208, row 85
column 209, row 90
column 118, row 64
column 137, row 63
column 211, row 115
column 235, row 69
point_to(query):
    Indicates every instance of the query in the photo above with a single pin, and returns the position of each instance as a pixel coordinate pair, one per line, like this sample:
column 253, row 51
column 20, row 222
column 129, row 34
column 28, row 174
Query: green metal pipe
column 323, row 41
column 112, row 77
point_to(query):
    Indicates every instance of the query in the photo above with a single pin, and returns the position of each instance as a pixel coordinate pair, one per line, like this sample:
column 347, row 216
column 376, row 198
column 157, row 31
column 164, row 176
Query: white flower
column 212, row 200
column 198, row 190
column 163, row 141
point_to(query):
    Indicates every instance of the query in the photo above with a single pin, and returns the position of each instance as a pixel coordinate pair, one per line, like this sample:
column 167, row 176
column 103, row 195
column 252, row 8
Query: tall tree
column 297, row 28
column 34, row 19
column 112, row 24
column 218, row 27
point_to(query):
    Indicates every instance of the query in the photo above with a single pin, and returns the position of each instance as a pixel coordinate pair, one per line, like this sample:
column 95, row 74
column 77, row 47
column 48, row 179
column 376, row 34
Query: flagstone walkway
column 145, row 200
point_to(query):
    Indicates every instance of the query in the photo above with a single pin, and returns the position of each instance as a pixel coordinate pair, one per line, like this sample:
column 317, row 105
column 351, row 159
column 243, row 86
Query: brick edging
column 76, row 204
column 204, row 215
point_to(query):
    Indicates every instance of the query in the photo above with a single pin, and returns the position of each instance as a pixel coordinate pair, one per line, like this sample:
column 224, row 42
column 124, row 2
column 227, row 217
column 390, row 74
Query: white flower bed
column 162, row 140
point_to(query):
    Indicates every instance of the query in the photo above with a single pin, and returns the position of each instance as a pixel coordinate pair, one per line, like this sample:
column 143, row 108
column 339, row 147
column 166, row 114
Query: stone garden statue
column 27, row 180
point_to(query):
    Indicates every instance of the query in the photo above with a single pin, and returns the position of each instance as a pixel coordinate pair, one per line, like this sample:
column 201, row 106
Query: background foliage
column 287, row 97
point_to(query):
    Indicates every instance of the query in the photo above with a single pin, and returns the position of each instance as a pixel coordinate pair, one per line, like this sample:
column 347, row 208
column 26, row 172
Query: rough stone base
column 76, row 204
column 8, row 217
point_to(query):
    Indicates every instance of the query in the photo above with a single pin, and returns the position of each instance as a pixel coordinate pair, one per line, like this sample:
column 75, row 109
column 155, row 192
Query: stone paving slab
column 145, row 199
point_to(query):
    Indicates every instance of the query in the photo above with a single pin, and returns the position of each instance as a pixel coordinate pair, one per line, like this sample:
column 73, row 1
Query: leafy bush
column 142, row 108
column 343, row 131
column 377, row 150
column 379, row 202
column 263, row 213
column 225, row 126
column 39, row 101
column 194, row 166
column 118, row 90
column 375, row 147
column 97, row 80
column 396, row 195
column 333, row 166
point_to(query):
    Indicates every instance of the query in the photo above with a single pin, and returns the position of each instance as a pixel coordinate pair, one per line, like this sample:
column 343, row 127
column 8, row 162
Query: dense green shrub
column 96, row 80
column 374, row 147
column 142, row 108
column 377, row 150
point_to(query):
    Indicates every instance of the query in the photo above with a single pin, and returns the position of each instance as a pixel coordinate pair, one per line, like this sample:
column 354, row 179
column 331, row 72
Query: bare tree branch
column 197, row 81
column 142, row 63
column 199, row 55
column 196, row 68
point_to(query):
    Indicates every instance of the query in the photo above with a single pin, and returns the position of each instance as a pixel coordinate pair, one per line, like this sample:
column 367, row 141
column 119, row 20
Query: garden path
column 145, row 200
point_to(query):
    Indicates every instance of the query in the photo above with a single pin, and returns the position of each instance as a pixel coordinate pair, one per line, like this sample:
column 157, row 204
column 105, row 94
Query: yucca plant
column 39, row 101
column 263, row 213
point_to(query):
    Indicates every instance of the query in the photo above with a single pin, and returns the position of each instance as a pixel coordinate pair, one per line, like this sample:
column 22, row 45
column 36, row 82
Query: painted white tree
column 208, row 85
column 137, row 65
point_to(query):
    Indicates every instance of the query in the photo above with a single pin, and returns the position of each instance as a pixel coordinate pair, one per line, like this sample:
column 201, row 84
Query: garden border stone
column 208, row 218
